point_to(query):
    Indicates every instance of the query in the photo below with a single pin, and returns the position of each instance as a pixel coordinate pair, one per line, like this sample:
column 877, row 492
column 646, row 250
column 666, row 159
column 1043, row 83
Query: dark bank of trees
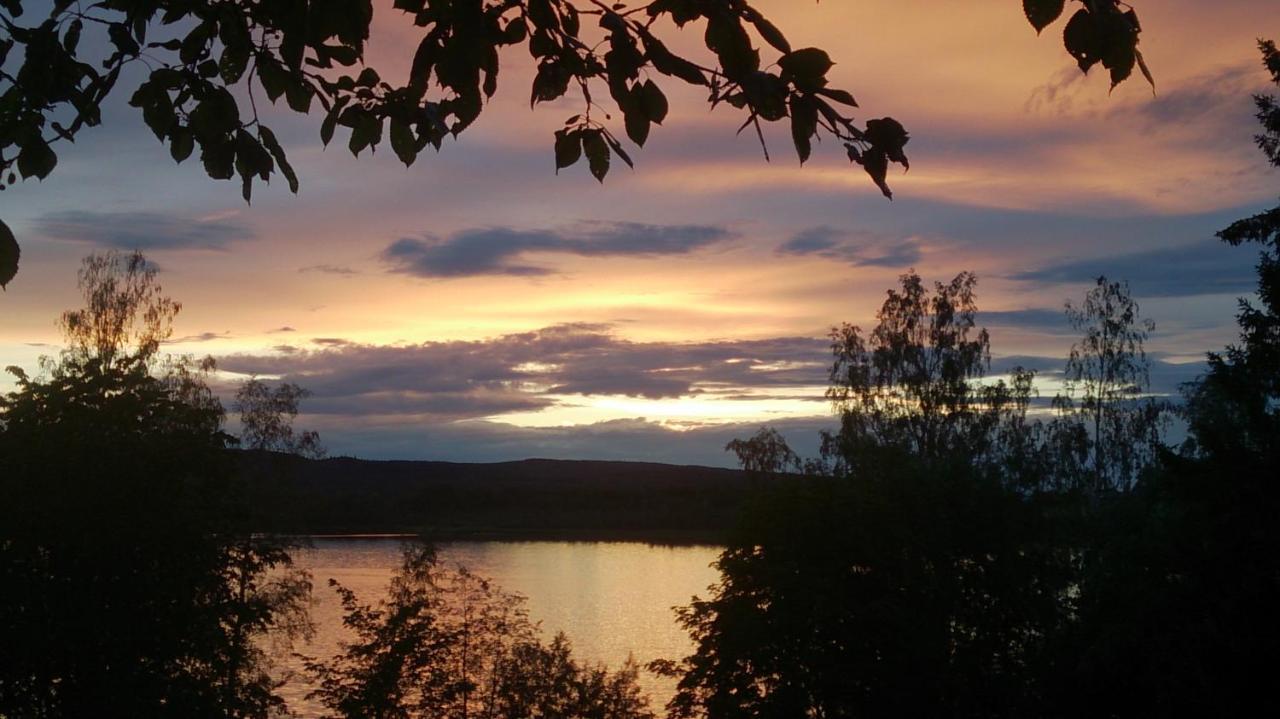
column 528, row 499
column 951, row 553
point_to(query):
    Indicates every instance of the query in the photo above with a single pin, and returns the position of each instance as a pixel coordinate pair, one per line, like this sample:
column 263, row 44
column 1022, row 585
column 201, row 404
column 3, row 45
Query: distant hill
column 535, row 498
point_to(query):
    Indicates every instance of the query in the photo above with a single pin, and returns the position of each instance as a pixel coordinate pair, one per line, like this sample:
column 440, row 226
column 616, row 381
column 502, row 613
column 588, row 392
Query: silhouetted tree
column 1106, row 377
column 901, row 596
column 447, row 643
column 126, row 314
column 131, row 586
column 269, row 468
column 206, row 57
column 915, row 577
column 1234, row 407
column 765, row 454
column 909, row 393
column 266, row 419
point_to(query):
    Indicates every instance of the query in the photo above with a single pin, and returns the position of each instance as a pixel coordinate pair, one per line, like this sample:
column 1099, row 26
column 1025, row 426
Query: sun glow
column 724, row 406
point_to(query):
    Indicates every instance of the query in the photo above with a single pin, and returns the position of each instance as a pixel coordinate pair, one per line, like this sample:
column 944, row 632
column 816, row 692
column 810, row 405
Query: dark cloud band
column 141, row 230
column 860, row 249
column 528, row 370
column 503, row 251
column 1201, row 268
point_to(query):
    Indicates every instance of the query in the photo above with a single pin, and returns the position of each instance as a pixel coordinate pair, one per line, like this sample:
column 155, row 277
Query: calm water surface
column 611, row 598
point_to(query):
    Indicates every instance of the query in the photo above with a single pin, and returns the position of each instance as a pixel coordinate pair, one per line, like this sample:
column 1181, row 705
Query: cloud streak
column 1201, row 268
column 1053, row 321
column 197, row 338
column 503, row 251
column 337, row 270
column 146, row 231
column 860, row 249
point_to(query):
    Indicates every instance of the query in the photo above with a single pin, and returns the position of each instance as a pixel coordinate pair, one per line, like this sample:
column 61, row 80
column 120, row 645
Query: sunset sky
column 479, row 307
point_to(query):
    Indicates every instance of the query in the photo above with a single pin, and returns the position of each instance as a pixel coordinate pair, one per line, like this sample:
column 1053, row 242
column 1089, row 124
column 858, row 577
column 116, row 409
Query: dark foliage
column 902, row 595
column 1179, row 591
column 911, row 571
column 130, row 585
column 10, row 253
column 1249, row 374
column 930, row 563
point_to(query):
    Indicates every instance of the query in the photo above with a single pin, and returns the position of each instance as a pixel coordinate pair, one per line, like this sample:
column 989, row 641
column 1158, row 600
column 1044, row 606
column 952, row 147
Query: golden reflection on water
column 612, row 599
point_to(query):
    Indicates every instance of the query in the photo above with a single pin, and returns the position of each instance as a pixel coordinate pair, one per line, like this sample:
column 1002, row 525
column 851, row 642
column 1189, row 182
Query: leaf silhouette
column 1042, row 13
column 9, row 254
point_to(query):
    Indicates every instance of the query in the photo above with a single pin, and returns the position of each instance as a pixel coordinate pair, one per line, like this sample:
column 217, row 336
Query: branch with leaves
column 1100, row 32
column 204, row 54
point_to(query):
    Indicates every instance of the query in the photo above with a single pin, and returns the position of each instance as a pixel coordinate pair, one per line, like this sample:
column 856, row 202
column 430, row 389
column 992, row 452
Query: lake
column 612, row 599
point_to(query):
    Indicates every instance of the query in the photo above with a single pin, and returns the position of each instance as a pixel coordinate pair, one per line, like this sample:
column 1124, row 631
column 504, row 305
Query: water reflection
column 611, row 598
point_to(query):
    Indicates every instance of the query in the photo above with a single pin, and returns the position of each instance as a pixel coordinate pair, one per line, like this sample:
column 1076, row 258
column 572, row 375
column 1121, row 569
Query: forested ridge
column 535, row 498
